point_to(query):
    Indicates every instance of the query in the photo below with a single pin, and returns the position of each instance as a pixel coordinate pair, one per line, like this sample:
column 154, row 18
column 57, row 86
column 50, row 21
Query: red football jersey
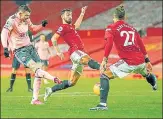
column 127, row 41
column 71, row 37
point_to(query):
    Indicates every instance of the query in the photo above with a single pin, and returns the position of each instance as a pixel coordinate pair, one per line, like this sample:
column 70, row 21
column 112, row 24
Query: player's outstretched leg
column 48, row 91
column 86, row 60
column 43, row 74
column 93, row 64
column 65, row 84
column 151, row 78
column 104, row 89
column 39, row 73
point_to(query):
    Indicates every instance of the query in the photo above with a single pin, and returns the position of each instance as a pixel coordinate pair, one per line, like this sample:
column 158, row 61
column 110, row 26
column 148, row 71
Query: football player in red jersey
column 77, row 55
column 131, row 50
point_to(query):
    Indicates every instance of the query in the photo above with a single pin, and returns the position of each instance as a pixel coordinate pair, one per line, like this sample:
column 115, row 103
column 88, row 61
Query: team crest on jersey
column 13, row 16
column 8, row 24
column 60, row 29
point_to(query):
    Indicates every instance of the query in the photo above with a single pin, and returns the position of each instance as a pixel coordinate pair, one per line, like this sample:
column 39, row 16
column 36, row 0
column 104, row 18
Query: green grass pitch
column 127, row 99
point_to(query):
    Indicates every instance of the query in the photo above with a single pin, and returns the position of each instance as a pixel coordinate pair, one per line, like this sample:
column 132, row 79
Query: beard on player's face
column 67, row 17
column 24, row 15
column 68, row 20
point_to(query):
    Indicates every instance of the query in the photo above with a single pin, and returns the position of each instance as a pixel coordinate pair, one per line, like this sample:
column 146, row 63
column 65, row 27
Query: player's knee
column 73, row 83
column 109, row 74
column 39, row 66
column 39, row 73
column 84, row 60
column 34, row 66
column 44, row 67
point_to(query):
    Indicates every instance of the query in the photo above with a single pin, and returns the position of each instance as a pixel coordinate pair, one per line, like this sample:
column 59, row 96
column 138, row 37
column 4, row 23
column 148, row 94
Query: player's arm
column 54, row 39
column 108, row 48
column 5, row 36
column 143, row 50
column 36, row 28
column 80, row 18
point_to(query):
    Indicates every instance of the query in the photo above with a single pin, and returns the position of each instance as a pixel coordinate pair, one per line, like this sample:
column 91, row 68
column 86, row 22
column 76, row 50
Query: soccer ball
column 96, row 89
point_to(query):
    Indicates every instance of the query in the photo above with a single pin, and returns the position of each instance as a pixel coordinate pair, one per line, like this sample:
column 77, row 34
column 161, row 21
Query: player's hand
column 61, row 55
column 103, row 66
column 83, row 9
column 6, row 53
column 44, row 23
column 148, row 66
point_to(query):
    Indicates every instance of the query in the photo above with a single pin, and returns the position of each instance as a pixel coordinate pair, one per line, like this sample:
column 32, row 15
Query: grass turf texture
column 127, row 99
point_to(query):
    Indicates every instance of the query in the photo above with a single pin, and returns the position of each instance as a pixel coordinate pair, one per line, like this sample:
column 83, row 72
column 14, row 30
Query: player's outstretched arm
column 80, row 18
column 5, row 34
column 143, row 50
column 4, row 39
column 108, row 47
column 141, row 45
column 36, row 28
column 54, row 39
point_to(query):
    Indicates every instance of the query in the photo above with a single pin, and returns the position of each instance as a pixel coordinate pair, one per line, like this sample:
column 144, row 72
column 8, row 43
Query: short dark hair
column 24, row 8
column 120, row 12
column 65, row 10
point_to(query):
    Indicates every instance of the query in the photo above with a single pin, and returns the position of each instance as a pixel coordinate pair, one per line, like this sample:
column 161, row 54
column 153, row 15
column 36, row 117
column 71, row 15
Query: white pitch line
column 59, row 94
column 73, row 94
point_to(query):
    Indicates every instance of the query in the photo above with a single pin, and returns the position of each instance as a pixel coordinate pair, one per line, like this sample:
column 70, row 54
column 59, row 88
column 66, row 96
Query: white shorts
column 121, row 69
column 75, row 58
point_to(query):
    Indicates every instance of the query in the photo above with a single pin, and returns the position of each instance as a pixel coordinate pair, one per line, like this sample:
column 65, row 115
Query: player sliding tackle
column 131, row 50
column 77, row 55
column 16, row 30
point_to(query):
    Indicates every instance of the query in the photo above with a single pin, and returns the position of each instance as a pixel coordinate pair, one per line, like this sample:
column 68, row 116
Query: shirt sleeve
column 108, row 45
column 108, row 31
column 60, row 30
column 5, row 34
column 9, row 24
column 34, row 28
column 141, row 44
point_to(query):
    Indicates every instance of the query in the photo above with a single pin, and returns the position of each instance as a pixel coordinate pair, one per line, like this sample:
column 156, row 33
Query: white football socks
column 36, row 88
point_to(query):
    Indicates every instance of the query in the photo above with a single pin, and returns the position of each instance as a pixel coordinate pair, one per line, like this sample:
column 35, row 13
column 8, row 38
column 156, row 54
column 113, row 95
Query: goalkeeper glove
column 6, row 52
